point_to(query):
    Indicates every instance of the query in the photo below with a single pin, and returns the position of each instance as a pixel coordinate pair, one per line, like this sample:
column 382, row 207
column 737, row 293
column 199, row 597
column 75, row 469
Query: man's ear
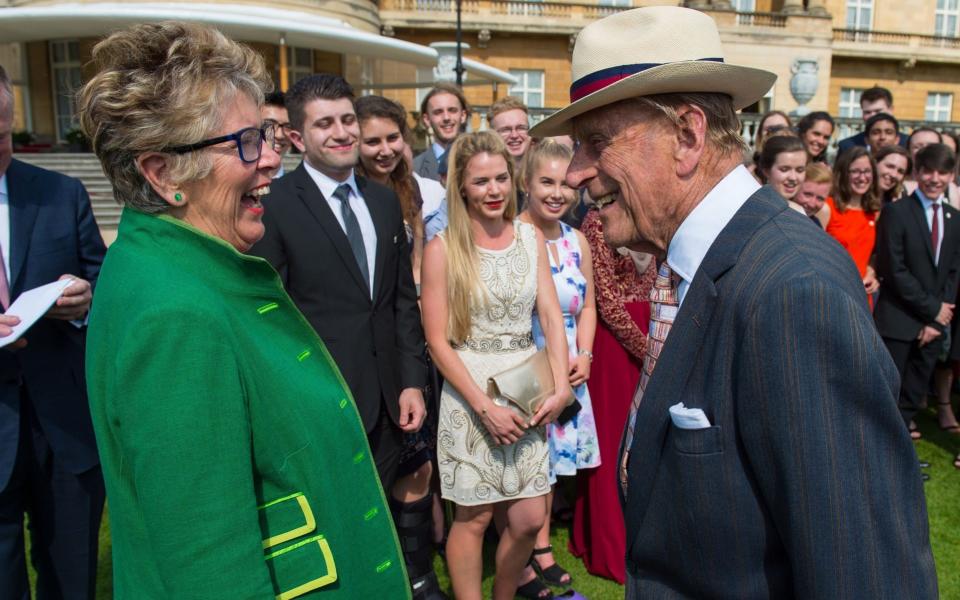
column 297, row 139
column 691, row 138
column 155, row 169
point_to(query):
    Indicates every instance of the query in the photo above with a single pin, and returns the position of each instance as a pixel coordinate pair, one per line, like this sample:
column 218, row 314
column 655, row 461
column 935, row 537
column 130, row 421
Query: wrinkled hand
column 413, row 410
column 927, row 335
column 505, row 425
column 946, row 314
column 552, row 407
column 6, row 323
column 75, row 301
column 579, row 370
column 870, row 282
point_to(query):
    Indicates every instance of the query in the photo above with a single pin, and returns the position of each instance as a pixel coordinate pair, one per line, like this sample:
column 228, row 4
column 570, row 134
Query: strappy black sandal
column 553, row 574
column 534, row 590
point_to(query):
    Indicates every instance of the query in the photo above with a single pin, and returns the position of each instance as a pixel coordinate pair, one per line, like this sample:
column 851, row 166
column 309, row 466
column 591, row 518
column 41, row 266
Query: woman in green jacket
column 235, row 461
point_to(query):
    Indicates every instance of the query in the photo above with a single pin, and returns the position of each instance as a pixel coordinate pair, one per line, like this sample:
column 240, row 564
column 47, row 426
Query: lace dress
column 473, row 468
column 573, row 445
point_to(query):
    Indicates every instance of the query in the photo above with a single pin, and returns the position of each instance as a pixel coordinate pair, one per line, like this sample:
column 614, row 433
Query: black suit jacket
column 52, row 232
column 912, row 286
column 377, row 344
column 806, row 485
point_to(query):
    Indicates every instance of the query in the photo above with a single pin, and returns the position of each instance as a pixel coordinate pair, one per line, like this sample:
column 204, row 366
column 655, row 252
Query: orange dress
column 856, row 230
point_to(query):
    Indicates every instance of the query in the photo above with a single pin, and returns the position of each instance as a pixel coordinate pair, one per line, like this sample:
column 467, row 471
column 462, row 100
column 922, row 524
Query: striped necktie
column 664, row 304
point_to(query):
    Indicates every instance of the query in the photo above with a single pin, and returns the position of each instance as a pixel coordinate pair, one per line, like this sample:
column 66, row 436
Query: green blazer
column 235, row 462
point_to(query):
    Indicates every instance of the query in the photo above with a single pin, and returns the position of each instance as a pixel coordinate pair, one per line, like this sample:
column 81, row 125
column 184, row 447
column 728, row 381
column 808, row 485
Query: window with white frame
column 747, row 6
column 65, row 70
column 946, row 18
column 299, row 63
column 939, row 107
column 850, row 103
column 529, row 87
column 860, row 14
column 624, row 3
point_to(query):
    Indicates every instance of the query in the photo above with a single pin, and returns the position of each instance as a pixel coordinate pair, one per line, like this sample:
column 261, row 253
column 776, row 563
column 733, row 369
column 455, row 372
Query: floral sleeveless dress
column 473, row 468
column 573, row 445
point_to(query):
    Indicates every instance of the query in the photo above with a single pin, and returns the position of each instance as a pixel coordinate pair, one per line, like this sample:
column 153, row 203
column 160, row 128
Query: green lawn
column 943, row 505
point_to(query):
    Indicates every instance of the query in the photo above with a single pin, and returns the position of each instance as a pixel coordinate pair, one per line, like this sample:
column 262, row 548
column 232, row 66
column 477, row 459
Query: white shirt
column 5, row 224
column 329, row 185
column 438, row 150
column 928, row 213
column 705, row 222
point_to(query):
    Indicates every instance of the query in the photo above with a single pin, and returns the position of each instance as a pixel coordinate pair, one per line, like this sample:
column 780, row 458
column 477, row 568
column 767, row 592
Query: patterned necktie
column 4, row 284
column 354, row 235
column 935, row 232
column 664, row 304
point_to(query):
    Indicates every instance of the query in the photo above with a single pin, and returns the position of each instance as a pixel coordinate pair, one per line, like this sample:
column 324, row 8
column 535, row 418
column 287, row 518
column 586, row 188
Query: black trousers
column 64, row 511
column 386, row 443
column 915, row 365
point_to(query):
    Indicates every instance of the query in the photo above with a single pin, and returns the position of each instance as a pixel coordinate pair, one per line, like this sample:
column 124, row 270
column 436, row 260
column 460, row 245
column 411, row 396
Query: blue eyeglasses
column 249, row 142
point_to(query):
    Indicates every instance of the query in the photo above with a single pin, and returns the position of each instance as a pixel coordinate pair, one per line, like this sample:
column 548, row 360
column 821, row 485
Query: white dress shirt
column 5, row 224
column 438, row 150
column 329, row 185
column 928, row 213
column 705, row 222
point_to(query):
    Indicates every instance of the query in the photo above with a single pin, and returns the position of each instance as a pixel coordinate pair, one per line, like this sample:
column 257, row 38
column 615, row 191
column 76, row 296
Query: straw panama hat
column 653, row 50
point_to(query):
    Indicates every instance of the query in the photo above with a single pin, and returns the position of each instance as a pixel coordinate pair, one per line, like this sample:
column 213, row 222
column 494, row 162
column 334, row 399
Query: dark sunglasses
column 249, row 142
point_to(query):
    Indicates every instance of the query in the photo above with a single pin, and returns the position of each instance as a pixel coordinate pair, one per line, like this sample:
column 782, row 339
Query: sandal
column 953, row 429
column 553, row 574
column 914, row 432
column 534, row 590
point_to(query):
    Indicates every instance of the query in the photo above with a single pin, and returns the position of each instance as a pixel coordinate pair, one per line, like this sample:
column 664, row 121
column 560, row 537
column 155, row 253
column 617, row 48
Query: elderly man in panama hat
column 764, row 456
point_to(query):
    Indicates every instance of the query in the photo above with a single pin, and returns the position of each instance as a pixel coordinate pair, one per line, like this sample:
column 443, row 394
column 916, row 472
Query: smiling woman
column 212, row 399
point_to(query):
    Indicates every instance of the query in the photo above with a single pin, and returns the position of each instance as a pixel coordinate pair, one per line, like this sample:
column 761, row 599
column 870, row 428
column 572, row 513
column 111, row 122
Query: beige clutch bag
column 525, row 386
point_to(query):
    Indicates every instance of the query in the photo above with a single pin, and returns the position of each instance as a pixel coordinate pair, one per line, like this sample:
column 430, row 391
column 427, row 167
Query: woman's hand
column 505, row 425
column 870, row 282
column 579, row 370
column 552, row 406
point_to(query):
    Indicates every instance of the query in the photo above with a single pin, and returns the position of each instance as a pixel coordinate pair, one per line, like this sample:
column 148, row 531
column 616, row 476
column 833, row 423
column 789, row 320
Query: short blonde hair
column 819, row 173
column 503, row 105
column 160, row 85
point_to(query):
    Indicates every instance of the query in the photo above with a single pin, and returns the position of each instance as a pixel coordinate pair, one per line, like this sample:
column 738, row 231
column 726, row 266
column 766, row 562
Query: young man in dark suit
column 49, row 467
column 339, row 244
column 918, row 265
column 444, row 111
column 873, row 101
column 764, row 450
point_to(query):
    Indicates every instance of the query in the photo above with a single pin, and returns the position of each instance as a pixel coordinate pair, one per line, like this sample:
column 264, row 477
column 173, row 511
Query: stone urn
column 804, row 83
column 446, row 69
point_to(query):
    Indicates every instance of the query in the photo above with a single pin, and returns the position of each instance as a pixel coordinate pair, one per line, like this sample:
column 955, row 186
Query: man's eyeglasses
column 249, row 142
column 505, row 131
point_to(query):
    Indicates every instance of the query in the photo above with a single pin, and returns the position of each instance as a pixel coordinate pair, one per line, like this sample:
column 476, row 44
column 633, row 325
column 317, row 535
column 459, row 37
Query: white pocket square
column 688, row 418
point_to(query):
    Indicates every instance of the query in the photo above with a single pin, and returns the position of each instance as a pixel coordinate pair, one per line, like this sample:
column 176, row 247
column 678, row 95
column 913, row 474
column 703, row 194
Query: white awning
column 240, row 21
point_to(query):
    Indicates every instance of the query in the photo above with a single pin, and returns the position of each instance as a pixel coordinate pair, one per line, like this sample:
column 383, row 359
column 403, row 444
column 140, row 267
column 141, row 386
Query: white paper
column 31, row 305
column 688, row 418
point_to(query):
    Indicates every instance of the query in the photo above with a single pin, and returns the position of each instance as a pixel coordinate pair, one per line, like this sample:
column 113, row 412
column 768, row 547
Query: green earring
column 178, row 197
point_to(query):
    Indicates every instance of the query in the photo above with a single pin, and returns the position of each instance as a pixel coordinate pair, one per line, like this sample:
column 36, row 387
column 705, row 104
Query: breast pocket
column 698, row 441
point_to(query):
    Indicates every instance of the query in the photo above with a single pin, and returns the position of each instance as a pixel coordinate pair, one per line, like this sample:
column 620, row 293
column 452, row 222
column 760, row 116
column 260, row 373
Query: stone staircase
column 86, row 168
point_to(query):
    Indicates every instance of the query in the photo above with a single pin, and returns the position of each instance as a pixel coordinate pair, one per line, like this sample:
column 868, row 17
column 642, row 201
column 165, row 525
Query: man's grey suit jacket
column 426, row 165
column 807, row 484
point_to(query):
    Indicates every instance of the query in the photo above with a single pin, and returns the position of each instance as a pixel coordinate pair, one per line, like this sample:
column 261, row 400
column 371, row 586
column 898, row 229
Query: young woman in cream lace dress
column 482, row 280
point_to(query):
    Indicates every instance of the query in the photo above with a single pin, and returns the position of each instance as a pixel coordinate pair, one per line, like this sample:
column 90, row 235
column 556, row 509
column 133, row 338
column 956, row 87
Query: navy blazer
column 52, row 232
column 806, row 485
column 377, row 343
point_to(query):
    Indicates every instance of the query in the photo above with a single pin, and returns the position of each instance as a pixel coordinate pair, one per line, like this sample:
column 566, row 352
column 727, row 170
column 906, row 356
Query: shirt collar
column 927, row 202
column 438, row 150
column 705, row 222
column 328, row 185
column 3, row 185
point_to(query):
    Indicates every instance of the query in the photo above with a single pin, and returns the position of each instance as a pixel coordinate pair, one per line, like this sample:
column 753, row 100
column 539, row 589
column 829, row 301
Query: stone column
column 817, row 8
column 792, row 6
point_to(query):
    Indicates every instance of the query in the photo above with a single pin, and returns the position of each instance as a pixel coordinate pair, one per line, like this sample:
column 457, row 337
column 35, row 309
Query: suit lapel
column 948, row 242
column 384, row 236
column 23, row 214
column 311, row 197
column 681, row 351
